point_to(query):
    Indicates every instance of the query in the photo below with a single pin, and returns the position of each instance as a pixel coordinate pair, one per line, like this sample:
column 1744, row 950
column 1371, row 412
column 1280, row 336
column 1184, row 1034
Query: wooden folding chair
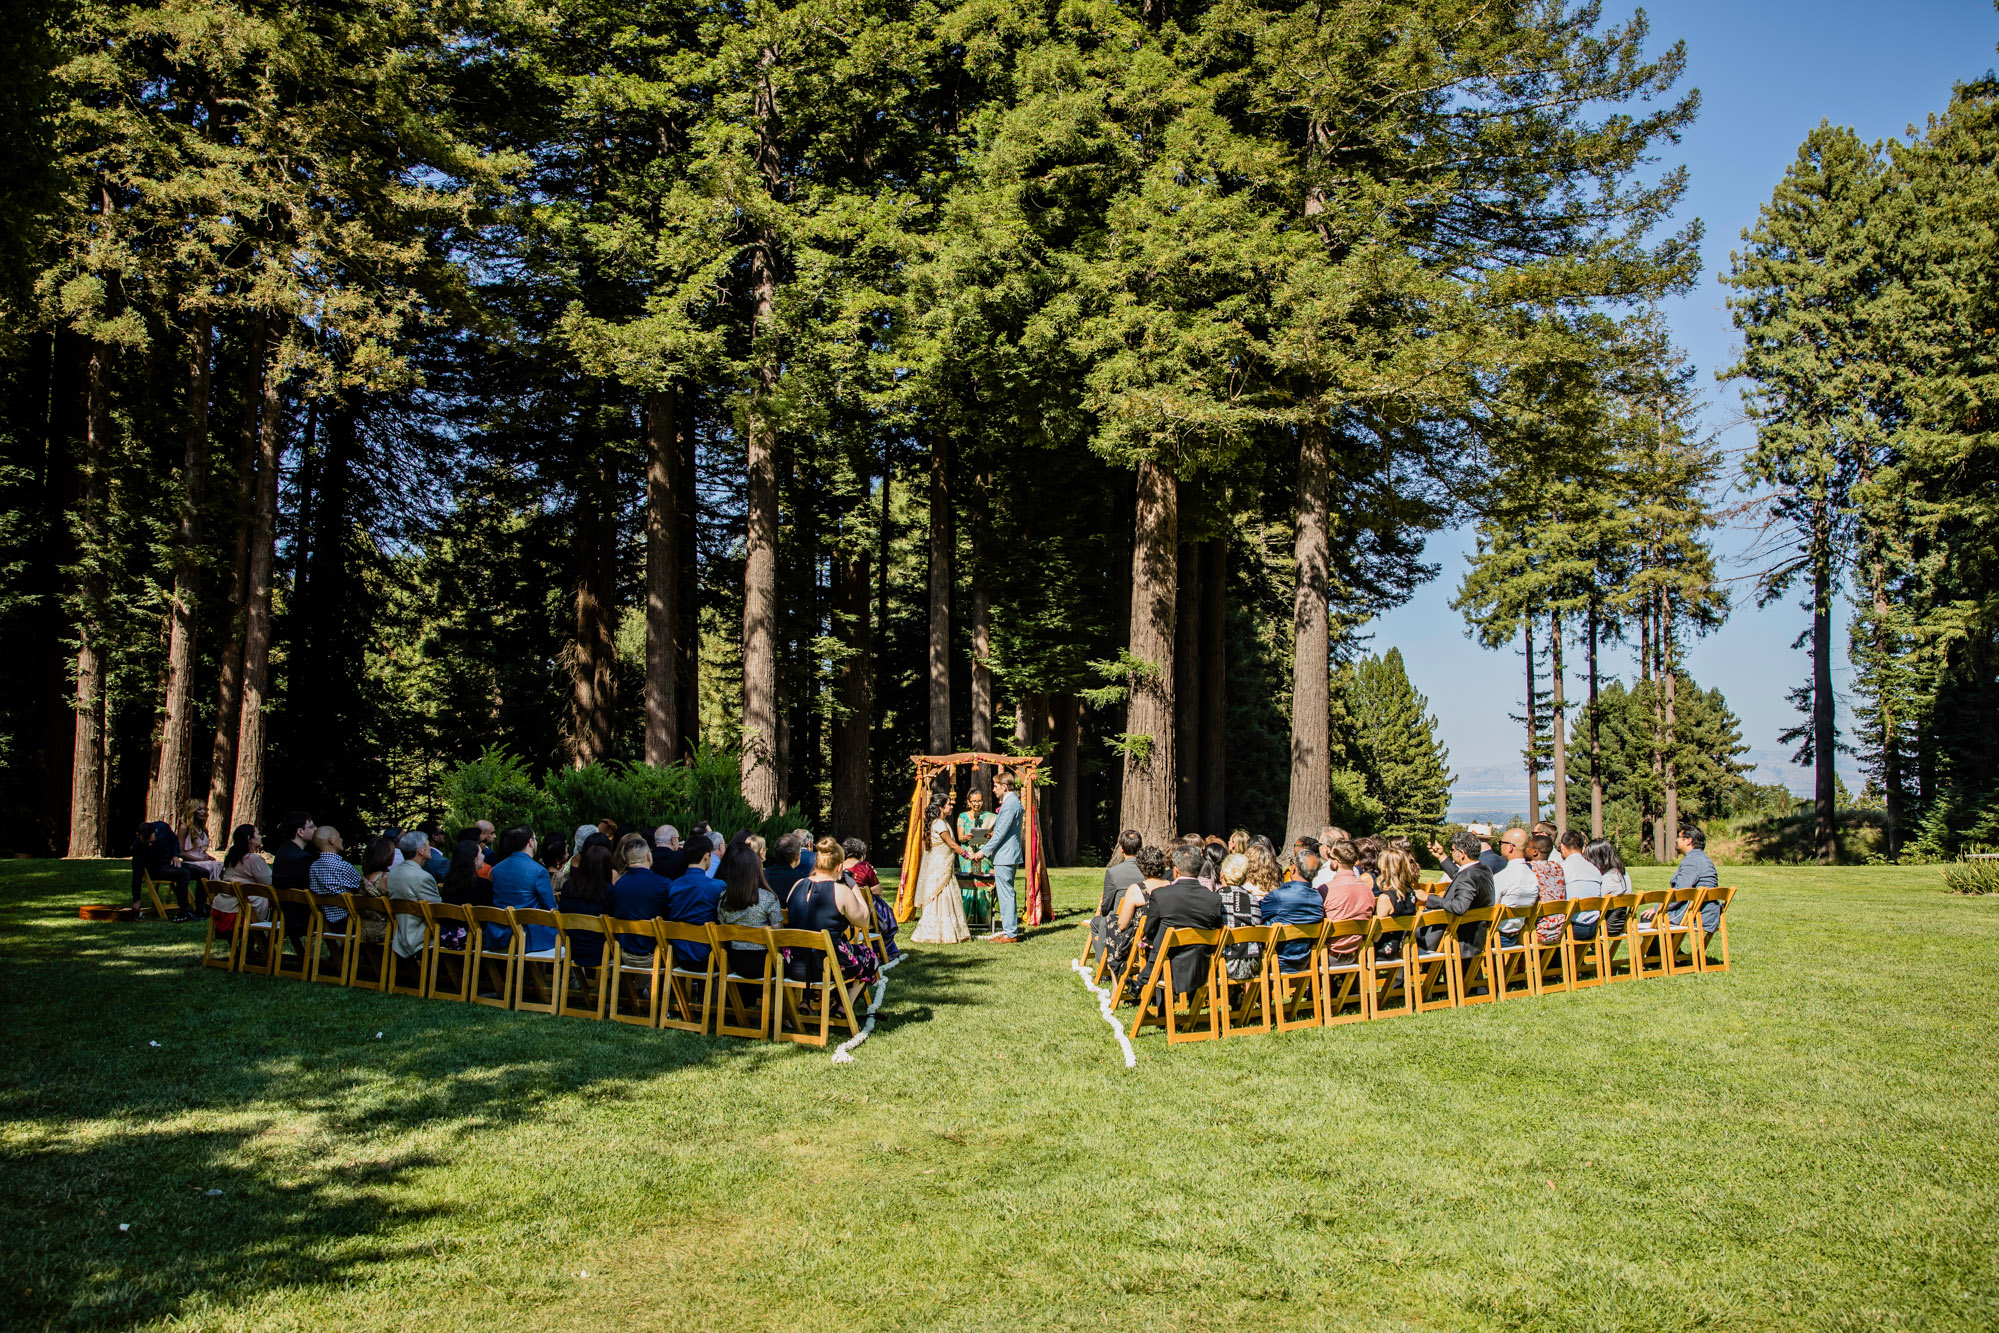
column 1343, row 977
column 159, row 905
column 447, row 971
column 371, row 960
column 805, row 1000
column 733, row 1016
column 1512, row 961
column 1478, row 978
column 335, row 937
column 1627, row 904
column 497, row 963
column 232, row 952
column 582, row 990
column 637, row 973
column 1296, row 998
column 1585, row 956
column 1125, row 983
column 1159, row 1003
column 1550, row 961
column 540, row 969
column 690, row 991
column 1390, row 976
column 1679, row 940
column 1437, row 972
column 1241, row 998
column 394, row 965
column 260, row 943
column 305, row 946
column 1703, row 940
column 1648, row 936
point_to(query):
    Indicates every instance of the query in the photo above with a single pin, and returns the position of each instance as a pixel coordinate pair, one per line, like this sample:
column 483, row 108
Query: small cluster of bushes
column 1972, row 876
column 498, row 786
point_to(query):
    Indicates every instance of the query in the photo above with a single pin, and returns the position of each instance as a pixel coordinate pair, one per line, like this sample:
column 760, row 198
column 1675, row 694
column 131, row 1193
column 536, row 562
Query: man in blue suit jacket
column 694, row 898
column 1006, row 848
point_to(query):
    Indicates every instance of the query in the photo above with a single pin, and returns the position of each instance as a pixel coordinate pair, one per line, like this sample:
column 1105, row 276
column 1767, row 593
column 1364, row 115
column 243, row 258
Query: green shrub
column 1972, row 876
column 494, row 786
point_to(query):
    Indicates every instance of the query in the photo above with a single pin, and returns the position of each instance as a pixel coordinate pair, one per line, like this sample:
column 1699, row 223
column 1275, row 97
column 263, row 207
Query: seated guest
column 411, row 881
column 194, row 846
column 1239, row 842
column 1239, row 908
column 1183, row 904
column 1367, row 859
column 1122, row 931
column 1603, row 855
column 1295, row 903
column 747, row 902
column 1121, row 874
column 587, row 891
column 1396, row 883
column 1582, row 880
column 376, row 862
column 520, row 881
column 1515, row 885
column 1470, row 889
column 554, row 858
column 1305, row 853
column 156, row 853
column 291, row 868
column 790, row 867
column 1550, row 884
column 437, row 852
column 1263, row 874
column 857, row 868
column 1489, row 856
column 489, row 850
column 640, row 893
column 821, row 902
column 330, row 875
column 1348, row 897
column 665, row 838
column 693, row 900
column 1695, row 871
column 241, row 864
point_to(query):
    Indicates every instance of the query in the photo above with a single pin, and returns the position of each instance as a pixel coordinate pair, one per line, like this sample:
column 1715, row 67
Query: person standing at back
column 1007, row 850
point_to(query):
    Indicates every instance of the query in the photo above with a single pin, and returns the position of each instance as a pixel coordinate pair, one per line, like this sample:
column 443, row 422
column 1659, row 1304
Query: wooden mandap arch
column 1037, row 905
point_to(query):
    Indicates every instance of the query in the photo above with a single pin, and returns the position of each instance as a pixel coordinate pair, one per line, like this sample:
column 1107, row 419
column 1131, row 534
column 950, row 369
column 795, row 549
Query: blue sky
column 1768, row 72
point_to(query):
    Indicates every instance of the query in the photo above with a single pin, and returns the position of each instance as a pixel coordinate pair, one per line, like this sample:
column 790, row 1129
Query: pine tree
column 1394, row 742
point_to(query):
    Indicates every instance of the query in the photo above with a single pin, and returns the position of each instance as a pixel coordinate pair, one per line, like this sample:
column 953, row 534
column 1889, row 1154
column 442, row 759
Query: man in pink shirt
column 1348, row 898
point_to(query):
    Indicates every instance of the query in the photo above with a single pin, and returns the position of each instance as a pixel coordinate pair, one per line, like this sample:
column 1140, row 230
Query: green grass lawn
column 1808, row 1142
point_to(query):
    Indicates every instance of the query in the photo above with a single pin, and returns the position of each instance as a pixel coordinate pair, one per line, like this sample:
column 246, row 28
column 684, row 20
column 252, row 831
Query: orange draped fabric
column 1038, row 906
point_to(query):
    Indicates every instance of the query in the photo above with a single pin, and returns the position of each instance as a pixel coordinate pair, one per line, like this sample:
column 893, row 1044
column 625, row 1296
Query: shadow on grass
column 133, row 1082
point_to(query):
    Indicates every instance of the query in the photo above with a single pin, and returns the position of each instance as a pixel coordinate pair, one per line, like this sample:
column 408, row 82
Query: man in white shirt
column 1515, row 885
column 1584, row 881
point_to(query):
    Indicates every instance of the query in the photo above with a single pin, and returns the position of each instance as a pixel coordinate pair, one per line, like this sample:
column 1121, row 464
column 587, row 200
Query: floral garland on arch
column 1039, row 904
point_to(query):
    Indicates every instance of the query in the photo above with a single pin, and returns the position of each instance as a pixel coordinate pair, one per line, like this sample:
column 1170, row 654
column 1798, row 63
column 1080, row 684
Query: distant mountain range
column 1497, row 791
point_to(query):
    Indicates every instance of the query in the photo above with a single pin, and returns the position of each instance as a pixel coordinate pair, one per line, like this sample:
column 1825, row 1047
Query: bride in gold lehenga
column 937, row 885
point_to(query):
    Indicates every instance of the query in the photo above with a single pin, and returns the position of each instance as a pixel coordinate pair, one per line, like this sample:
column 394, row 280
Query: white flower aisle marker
column 844, row 1054
column 1104, row 1008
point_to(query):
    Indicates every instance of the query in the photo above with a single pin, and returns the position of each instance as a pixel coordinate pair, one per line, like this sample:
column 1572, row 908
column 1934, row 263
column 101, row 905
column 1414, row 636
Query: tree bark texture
column 1068, row 730
column 982, row 635
column 1311, row 661
column 229, row 674
column 1211, row 760
column 1595, row 742
column 687, row 569
column 759, row 758
column 1558, row 725
column 1187, row 689
column 1892, row 777
column 1533, row 729
column 853, row 726
column 171, row 778
column 1148, row 788
column 941, row 542
column 1669, row 674
column 662, row 699
column 593, row 678
column 87, row 757
column 1824, row 741
column 247, row 798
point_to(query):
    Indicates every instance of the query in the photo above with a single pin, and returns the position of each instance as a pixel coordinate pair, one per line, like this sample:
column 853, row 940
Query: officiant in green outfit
column 975, row 826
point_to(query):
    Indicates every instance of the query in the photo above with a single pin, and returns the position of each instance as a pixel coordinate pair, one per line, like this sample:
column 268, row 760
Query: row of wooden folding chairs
column 638, row 979
column 1343, row 979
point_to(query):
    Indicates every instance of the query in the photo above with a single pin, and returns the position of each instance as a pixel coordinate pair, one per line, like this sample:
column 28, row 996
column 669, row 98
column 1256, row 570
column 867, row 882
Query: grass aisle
column 1806, row 1143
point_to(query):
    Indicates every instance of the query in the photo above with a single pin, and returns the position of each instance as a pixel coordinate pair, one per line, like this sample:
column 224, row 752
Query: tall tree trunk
column 982, row 634
column 1892, row 777
column 1147, row 801
column 88, row 758
column 854, row 721
column 52, row 556
column 941, row 543
column 1068, row 725
column 1595, row 743
column 1669, row 677
column 1124, row 523
column 687, row 572
column 229, row 675
column 594, row 678
column 1558, row 725
column 247, row 801
column 1311, row 660
column 1662, row 846
column 1824, row 741
column 1533, row 727
column 759, row 760
column 662, row 701
column 1187, row 688
column 1212, row 756
column 171, row 778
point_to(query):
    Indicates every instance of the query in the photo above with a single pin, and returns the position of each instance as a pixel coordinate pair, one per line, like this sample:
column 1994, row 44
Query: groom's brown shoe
column 1001, row 939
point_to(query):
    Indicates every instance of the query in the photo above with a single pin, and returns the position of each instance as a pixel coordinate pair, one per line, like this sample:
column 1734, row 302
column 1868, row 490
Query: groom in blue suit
column 1007, row 849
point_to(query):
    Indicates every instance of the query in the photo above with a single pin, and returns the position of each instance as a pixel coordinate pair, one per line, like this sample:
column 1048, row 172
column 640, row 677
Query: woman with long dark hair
column 588, row 891
column 748, row 902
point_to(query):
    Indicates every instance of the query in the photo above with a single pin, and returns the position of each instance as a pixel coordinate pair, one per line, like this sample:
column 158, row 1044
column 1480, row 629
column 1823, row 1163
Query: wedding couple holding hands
column 943, row 920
